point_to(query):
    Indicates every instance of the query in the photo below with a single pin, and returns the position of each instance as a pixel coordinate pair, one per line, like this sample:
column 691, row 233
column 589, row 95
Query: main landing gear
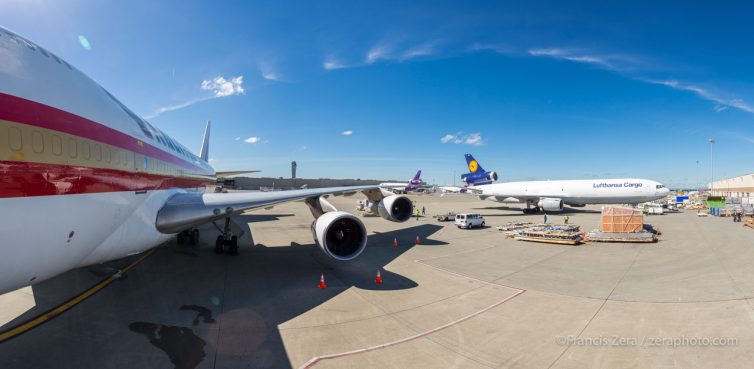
column 226, row 239
column 190, row 236
column 530, row 210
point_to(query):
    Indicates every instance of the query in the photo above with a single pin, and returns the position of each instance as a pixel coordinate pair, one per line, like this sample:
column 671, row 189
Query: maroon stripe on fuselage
column 21, row 179
column 19, row 110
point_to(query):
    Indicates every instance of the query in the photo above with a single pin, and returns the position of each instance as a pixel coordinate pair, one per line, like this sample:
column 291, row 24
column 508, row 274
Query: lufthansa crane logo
column 473, row 166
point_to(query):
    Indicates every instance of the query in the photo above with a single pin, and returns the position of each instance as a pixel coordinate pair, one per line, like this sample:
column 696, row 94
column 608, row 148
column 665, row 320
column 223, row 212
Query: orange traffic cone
column 322, row 284
column 378, row 278
column 417, row 240
column 395, row 242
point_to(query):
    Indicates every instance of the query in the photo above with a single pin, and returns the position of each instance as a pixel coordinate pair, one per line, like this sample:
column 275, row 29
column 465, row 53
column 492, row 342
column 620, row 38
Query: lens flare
column 85, row 43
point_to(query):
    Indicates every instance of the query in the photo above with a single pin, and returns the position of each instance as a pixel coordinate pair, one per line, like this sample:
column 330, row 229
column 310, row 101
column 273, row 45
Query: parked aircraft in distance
column 85, row 180
column 477, row 175
column 412, row 184
column 552, row 195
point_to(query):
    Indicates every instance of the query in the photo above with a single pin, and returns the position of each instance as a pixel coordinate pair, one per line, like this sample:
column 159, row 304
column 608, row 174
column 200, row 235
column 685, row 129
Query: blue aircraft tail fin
column 473, row 164
column 418, row 175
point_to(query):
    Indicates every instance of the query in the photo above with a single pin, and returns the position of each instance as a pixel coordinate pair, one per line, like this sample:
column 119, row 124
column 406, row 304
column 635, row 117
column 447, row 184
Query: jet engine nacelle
column 395, row 208
column 550, row 204
column 341, row 235
column 492, row 176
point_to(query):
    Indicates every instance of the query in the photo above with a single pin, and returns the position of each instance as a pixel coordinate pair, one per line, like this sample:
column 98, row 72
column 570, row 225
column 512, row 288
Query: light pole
column 698, row 181
column 711, row 168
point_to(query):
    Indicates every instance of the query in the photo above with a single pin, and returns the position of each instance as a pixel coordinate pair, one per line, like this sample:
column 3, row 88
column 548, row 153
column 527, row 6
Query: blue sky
column 535, row 90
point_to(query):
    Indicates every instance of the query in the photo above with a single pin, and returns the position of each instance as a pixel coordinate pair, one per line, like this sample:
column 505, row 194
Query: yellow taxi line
column 36, row 321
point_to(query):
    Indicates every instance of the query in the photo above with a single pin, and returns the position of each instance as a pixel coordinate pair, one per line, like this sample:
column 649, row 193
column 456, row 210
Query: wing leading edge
column 186, row 210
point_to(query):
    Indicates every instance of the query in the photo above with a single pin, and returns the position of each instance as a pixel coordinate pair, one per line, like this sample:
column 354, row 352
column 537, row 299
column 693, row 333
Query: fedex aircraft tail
column 418, row 175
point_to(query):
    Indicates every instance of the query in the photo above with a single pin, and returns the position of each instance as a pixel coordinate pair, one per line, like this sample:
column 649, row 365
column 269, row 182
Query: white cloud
column 332, row 64
column 347, row 133
column 268, row 72
column 252, row 140
column 218, row 86
column 447, row 138
column 574, row 56
column 627, row 66
column 722, row 103
column 425, row 49
column 473, row 139
column 238, row 138
column 376, row 53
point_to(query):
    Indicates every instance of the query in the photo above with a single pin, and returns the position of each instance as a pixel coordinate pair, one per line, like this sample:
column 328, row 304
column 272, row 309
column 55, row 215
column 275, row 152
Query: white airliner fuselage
column 552, row 195
column 84, row 180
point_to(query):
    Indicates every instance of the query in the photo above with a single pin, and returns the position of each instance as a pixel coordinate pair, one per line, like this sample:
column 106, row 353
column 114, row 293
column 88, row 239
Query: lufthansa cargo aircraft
column 84, row 180
column 552, row 195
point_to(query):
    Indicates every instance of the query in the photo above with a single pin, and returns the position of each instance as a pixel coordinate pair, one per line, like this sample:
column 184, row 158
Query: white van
column 469, row 220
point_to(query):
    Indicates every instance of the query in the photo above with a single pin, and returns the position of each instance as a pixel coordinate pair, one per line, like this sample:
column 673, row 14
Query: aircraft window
column 170, row 144
column 97, row 152
column 86, row 151
column 106, row 154
column 57, row 145
column 14, row 135
column 56, row 58
column 140, row 122
column 37, row 142
column 72, row 148
column 116, row 154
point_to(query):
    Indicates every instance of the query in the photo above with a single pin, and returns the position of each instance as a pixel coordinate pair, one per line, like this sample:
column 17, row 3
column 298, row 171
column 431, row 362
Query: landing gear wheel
column 234, row 245
column 219, row 245
column 194, row 237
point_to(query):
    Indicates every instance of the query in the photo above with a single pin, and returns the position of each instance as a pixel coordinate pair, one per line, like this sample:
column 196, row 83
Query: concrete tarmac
column 460, row 299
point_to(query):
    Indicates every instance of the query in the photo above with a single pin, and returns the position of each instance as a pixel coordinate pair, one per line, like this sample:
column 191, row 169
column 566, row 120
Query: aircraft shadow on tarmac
column 213, row 307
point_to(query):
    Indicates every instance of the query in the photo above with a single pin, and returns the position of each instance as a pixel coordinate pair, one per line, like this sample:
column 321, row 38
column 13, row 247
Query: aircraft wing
column 186, row 210
column 230, row 174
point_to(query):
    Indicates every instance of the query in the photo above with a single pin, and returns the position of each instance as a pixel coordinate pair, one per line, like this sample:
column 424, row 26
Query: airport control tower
column 293, row 169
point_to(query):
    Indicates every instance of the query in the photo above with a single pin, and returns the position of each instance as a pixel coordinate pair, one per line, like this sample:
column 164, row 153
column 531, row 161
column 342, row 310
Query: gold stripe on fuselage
column 25, row 143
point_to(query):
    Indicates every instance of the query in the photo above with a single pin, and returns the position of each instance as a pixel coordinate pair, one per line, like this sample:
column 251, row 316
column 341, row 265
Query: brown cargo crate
column 621, row 220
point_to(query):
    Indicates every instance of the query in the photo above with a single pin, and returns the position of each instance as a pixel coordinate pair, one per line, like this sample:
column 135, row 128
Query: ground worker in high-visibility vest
column 417, row 214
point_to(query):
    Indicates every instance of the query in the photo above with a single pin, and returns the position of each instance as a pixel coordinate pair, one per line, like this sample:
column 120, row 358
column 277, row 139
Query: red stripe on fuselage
column 21, row 179
column 19, row 110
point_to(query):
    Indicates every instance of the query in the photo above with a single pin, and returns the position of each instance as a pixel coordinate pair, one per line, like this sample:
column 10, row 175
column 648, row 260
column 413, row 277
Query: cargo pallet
column 559, row 237
column 637, row 237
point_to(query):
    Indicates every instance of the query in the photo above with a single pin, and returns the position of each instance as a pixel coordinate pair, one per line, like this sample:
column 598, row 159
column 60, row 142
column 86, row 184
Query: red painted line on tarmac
column 313, row 361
